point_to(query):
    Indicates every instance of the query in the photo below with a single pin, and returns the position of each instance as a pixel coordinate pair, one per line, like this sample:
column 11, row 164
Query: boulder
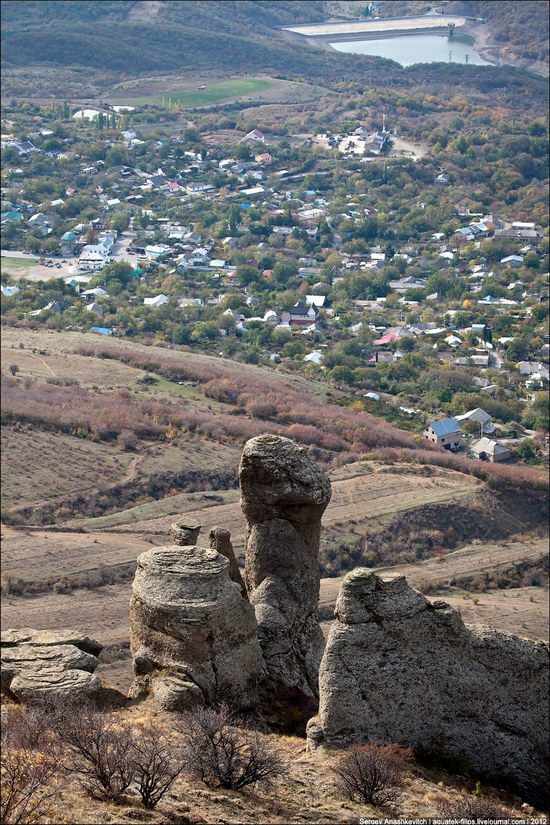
column 192, row 634
column 185, row 531
column 54, row 682
column 220, row 540
column 283, row 496
column 399, row 668
column 33, row 663
column 11, row 638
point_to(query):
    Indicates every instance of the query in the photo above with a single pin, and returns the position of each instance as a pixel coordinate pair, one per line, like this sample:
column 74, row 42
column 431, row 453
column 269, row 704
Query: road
column 10, row 253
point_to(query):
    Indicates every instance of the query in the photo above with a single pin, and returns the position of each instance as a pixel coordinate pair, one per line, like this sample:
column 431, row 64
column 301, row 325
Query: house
column 153, row 253
column 318, row 300
column 157, row 301
column 98, row 292
column 265, row 157
column 533, row 236
column 254, row 135
column 196, row 188
column 481, row 417
column 315, row 357
column 513, row 261
column 441, row 180
column 410, row 282
column 94, row 307
column 8, row 291
column 68, row 241
column 93, row 258
column 533, row 368
column 300, row 314
column 41, row 224
column 445, row 433
column 25, row 147
column 486, row 450
column 53, row 306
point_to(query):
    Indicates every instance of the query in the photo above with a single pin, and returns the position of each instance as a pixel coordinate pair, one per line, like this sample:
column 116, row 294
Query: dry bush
column 372, row 774
column 473, row 807
column 30, row 775
column 101, row 749
column 156, row 766
column 221, row 754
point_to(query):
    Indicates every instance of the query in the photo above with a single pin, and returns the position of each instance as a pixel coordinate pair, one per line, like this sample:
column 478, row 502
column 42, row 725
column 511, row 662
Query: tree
column 155, row 765
column 13, row 368
column 117, row 271
column 233, row 219
column 222, row 752
column 372, row 774
column 102, row 750
column 30, row 771
column 526, row 450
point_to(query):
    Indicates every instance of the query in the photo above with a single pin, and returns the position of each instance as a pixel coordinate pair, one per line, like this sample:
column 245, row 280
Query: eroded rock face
column 220, row 540
column 185, row 532
column 399, row 668
column 193, row 636
column 284, row 495
column 43, row 664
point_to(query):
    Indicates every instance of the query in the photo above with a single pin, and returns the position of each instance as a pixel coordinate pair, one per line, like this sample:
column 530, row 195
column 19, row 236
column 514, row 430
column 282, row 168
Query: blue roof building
column 445, row 433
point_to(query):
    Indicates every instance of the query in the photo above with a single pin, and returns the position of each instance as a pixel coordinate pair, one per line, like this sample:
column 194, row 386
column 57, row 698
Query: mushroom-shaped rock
column 283, row 496
column 399, row 668
column 220, row 540
column 185, row 531
column 192, row 634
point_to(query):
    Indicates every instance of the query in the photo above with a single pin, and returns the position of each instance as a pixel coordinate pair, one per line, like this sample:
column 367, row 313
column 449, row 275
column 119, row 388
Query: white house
column 93, row 258
column 157, row 301
column 8, row 291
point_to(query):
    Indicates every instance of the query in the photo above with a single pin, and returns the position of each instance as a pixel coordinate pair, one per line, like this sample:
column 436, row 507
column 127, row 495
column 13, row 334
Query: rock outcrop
column 42, row 664
column 185, row 531
column 192, row 634
column 220, row 540
column 284, row 495
column 399, row 668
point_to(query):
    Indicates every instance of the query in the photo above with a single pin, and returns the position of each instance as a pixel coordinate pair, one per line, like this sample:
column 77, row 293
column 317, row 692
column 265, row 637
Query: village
column 268, row 248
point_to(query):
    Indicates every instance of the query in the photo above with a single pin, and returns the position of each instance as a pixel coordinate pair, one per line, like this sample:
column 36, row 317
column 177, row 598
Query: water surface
column 407, row 49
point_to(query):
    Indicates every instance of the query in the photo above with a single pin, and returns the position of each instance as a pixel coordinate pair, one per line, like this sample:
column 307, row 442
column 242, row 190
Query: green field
column 17, row 263
column 199, row 97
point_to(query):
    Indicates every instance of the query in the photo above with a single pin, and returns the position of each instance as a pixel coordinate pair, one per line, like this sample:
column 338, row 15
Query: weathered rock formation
column 185, row 532
column 193, row 636
column 284, row 495
column 220, row 540
column 42, row 664
column 399, row 668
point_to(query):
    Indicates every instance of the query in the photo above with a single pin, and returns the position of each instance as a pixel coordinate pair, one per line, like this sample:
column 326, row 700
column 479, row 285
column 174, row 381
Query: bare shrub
column 30, row 776
column 155, row 765
column 222, row 752
column 473, row 807
column 100, row 747
column 372, row 774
